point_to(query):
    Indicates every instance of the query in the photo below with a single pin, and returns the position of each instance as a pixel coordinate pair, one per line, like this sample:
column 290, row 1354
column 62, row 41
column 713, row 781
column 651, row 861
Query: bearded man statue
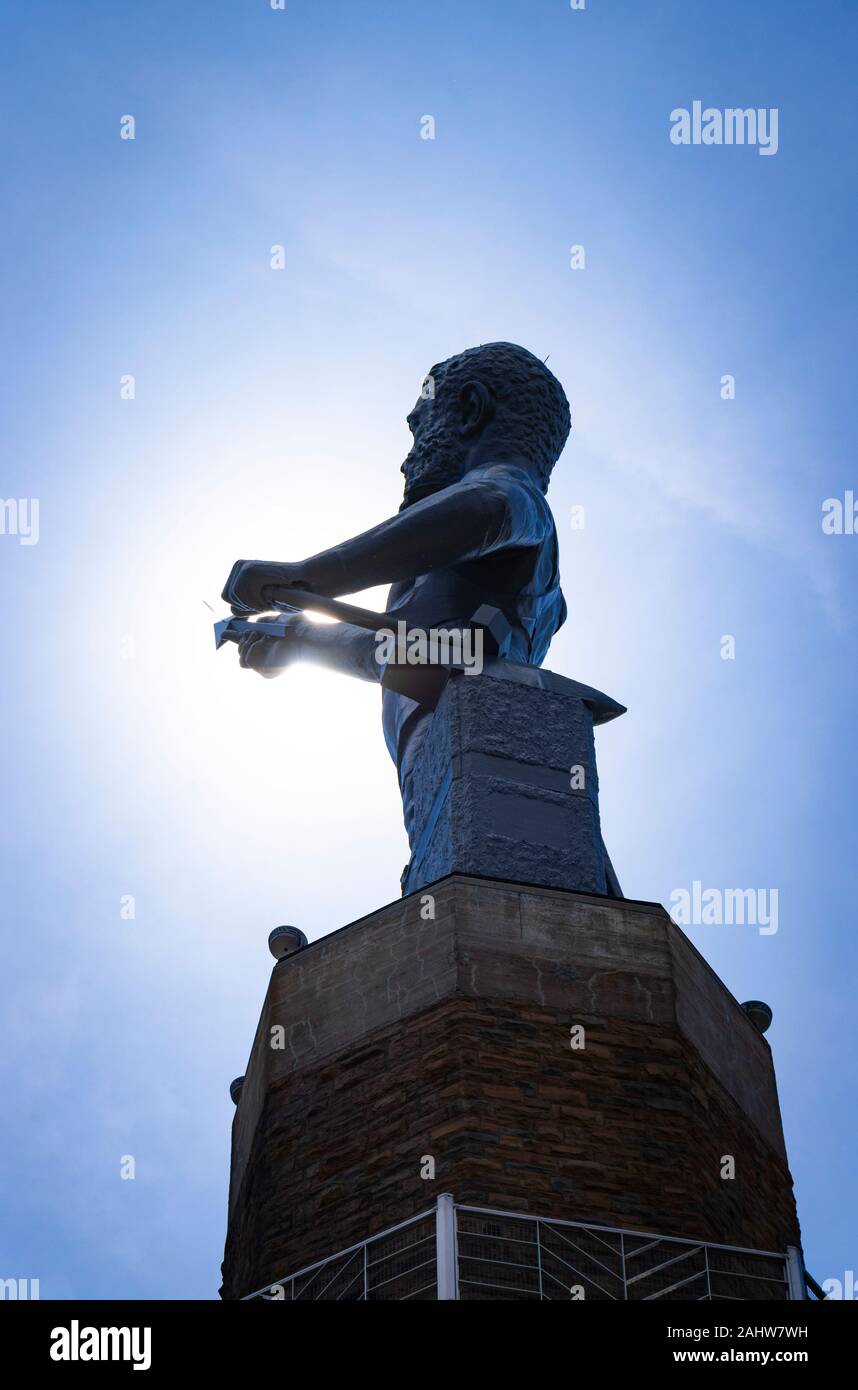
column 474, row 528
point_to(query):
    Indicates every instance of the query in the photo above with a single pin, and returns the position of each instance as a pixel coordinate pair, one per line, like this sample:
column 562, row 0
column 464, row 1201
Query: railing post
column 795, row 1273
column 539, row 1257
column 445, row 1247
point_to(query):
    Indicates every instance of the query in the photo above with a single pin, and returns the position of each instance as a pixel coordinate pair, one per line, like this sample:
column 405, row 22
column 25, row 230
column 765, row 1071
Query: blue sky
column 269, row 420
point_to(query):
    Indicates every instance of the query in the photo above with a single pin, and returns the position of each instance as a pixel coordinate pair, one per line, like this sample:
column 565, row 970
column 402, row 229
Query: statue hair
column 530, row 402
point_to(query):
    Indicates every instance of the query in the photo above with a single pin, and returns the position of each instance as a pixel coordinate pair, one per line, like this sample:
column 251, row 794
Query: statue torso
column 523, row 581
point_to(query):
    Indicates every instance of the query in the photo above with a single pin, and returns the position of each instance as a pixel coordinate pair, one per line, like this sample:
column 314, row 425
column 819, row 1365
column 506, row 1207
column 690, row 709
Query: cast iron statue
column 474, row 532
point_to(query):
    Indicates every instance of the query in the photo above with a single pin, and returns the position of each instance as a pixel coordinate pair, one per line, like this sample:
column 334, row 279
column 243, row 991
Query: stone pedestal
column 440, row 1027
column 505, row 783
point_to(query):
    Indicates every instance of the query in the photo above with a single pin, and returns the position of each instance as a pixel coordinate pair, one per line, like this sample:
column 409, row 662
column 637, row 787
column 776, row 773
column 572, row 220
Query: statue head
column 491, row 403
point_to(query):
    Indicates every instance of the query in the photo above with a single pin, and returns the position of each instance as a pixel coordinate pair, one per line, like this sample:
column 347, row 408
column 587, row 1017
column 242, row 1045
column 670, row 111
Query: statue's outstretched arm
column 339, row 646
column 459, row 523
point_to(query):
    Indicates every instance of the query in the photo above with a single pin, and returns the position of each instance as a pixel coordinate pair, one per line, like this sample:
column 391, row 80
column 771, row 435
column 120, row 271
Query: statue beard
column 435, row 462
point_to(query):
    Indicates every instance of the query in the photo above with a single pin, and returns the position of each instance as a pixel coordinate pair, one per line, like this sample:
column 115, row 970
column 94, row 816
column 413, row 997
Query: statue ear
column 476, row 407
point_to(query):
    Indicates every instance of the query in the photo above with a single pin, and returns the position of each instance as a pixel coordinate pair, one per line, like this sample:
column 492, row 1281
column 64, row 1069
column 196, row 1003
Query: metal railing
column 506, row 1255
column 397, row 1264
column 470, row 1253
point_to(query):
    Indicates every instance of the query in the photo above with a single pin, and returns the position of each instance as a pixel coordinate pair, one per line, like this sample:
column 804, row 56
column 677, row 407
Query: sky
column 268, row 420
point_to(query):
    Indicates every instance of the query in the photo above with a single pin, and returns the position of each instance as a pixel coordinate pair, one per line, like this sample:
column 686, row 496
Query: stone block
column 492, row 786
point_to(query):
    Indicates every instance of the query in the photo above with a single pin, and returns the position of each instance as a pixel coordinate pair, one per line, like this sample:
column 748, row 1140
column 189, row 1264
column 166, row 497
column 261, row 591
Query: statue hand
column 269, row 656
column 249, row 580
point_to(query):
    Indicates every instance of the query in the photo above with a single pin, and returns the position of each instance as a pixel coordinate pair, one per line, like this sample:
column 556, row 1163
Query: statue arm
column 459, row 523
column 339, row 646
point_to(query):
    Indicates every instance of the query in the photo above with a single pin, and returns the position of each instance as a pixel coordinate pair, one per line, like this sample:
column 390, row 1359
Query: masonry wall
column 450, row 1038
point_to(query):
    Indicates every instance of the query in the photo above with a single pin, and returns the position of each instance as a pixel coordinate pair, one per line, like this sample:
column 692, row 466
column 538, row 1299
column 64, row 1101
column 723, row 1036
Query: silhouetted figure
column 474, row 528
